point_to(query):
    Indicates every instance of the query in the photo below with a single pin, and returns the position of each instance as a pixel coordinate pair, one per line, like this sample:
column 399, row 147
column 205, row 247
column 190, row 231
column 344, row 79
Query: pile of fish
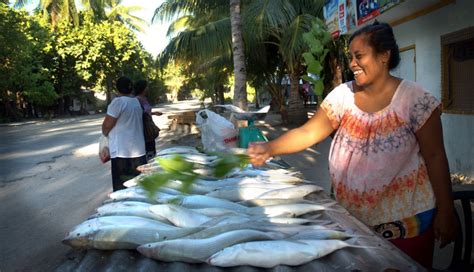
column 231, row 221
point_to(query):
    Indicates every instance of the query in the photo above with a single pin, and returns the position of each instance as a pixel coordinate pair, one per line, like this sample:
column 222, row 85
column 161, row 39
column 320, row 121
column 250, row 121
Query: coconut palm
column 116, row 11
column 66, row 10
column 240, row 74
column 200, row 35
column 55, row 10
column 282, row 23
column 279, row 22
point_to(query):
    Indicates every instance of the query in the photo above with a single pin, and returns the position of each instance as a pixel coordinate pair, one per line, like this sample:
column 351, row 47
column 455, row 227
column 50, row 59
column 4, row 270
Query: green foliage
column 22, row 75
column 229, row 161
column 317, row 39
column 177, row 168
column 175, row 165
column 44, row 64
column 101, row 52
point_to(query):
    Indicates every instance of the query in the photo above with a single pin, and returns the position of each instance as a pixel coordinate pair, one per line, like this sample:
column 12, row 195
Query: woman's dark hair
column 140, row 86
column 124, row 85
column 380, row 37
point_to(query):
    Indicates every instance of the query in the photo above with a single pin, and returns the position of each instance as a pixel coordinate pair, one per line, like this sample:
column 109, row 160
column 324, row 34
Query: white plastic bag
column 217, row 133
column 104, row 153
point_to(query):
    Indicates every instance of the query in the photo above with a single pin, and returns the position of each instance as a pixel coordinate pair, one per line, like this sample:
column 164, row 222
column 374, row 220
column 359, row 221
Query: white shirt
column 126, row 138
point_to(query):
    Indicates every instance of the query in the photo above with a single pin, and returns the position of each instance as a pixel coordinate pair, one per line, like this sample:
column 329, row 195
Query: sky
column 153, row 38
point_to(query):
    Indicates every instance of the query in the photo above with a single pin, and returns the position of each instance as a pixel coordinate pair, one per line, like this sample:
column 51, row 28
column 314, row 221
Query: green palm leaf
column 292, row 44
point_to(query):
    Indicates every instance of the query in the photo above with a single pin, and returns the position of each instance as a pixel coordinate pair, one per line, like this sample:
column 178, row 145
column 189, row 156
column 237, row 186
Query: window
column 457, row 68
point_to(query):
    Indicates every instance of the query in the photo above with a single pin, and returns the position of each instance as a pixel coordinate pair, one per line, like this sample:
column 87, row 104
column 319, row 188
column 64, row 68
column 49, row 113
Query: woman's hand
column 445, row 227
column 259, row 153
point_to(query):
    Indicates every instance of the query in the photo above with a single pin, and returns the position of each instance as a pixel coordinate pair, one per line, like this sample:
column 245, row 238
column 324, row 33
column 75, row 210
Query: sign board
column 331, row 16
column 366, row 10
column 343, row 16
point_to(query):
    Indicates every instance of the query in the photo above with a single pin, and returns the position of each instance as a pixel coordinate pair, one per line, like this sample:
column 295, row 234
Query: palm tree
column 55, row 10
column 279, row 22
column 114, row 10
column 201, row 36
column 209, row 32
column 284, row 23
column 240, row 83
column 66, row 10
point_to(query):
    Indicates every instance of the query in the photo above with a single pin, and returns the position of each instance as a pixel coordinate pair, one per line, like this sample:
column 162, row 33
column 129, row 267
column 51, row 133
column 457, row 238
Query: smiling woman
column 387, row 161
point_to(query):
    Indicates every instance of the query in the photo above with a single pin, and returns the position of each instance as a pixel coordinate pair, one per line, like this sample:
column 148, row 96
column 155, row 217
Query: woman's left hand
column 445, row 227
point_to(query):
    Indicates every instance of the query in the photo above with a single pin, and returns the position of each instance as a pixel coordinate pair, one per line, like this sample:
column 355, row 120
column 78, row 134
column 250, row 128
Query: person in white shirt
column 123, row 124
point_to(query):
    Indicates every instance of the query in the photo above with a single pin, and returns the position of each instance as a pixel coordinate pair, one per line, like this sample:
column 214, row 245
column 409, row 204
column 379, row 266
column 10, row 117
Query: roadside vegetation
column 53, row 56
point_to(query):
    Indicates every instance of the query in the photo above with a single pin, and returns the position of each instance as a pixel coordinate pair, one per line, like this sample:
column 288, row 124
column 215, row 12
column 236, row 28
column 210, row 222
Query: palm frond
column 262, row 15
column 177, row 8
column 292, row 44
column 178, row 25
column 312, row 7
column 200, row 43
column 124, row 14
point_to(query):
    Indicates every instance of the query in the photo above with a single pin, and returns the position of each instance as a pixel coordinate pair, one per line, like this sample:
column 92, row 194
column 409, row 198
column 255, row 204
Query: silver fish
column 215, row 211
column 128, row 208
column 261, row 225
column 275, row 201
column 289, row 210
column 136, row 194
column 178, row 150
column 179, row 216
column 201, row 201
column 291, row 192
column 199, row 250
column 283, row 252
column 239, row 193
column 116, row 232
column 275, row 175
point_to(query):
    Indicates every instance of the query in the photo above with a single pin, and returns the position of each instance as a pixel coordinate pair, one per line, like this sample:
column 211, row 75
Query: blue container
column 250, row 134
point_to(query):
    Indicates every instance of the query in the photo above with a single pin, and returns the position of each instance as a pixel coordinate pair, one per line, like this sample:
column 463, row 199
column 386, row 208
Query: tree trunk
column 240, row 89
column 220, row 94
column 336, row 80
column 278, row 101
column 257, row 102
column 10, row 111
column 297, row 113
column 108, row 91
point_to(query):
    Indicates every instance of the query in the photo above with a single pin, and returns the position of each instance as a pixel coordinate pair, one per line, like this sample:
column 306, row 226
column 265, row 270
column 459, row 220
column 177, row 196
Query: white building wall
column 425, row 33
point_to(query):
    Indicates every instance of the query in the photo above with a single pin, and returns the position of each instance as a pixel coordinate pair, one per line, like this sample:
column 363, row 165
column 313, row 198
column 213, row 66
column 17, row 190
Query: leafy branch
column 178, row 168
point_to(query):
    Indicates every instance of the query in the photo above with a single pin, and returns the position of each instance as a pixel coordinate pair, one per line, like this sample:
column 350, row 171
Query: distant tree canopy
column 23, row 78
column 42, row 68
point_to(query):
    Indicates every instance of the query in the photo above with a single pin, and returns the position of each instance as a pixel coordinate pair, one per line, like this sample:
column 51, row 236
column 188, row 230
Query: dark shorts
column 124, row 169
column 150, row 148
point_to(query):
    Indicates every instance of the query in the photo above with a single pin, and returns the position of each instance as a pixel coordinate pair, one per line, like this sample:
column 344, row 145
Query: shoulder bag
column 150, row 129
